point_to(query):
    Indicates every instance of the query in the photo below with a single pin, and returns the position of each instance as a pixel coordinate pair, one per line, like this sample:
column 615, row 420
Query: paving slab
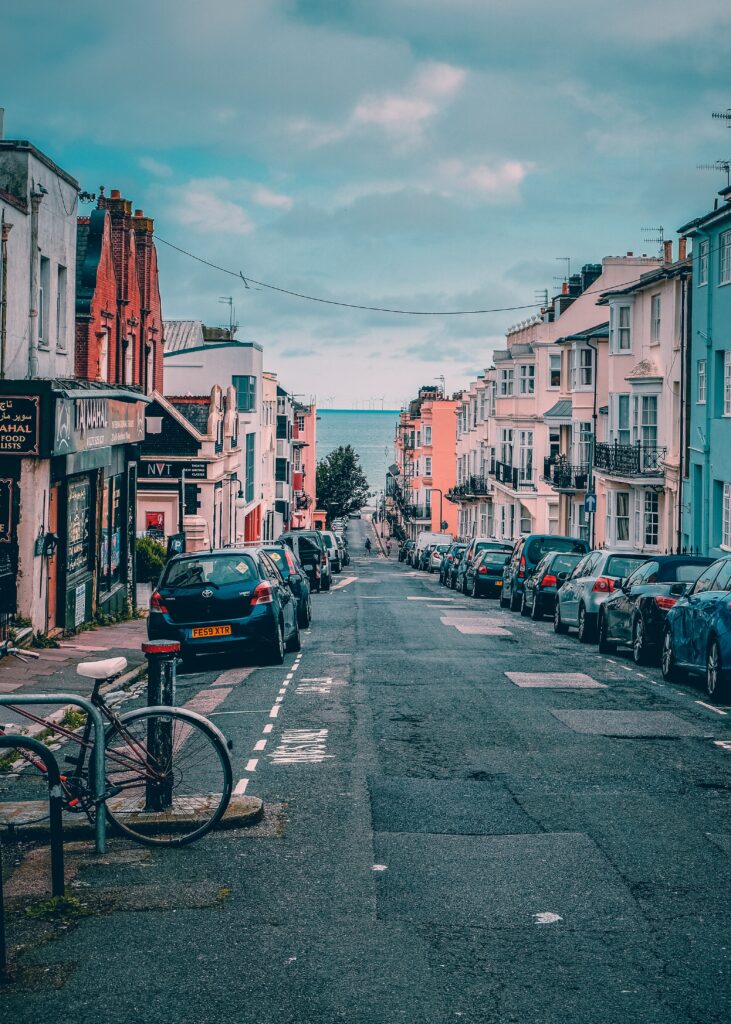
column 628, row 723
column 555, row 680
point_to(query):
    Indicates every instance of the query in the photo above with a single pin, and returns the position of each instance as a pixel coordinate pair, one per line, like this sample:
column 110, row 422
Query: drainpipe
column 590, row 475
column 35, row 202
column 686, row 303
column 4, row 232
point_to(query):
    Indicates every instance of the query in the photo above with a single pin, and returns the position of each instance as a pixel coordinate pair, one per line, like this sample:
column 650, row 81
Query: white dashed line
column 251, row 764
column 724, row 744
column 711, row 707
column 274, row 712
column 260, row 744
column 283, row 690
column 279, row 699
column 240, row 787
column 268, row 727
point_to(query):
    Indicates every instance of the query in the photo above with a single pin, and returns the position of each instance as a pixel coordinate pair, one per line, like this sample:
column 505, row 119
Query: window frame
column 701, row 382
column 527, row 380
column 704, row 247
column 507, row 382
column 724, row 257
column 727, row 382
column 552, row 369
column 655, row 317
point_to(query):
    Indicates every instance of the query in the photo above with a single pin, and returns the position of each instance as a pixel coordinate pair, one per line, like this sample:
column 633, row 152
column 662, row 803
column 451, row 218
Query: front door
column 52, row 562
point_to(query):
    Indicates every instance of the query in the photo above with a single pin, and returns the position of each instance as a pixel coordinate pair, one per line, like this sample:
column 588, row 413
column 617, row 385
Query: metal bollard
column 162, row 657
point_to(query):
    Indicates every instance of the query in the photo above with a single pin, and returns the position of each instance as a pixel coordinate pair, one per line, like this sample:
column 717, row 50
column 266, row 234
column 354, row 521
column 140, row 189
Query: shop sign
column 19, row 416
column 83, row 424
column 6, row 511
column 150, row 470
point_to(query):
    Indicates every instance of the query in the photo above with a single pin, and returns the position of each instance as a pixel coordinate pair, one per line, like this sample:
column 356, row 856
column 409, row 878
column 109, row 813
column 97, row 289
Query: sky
column 429, row 155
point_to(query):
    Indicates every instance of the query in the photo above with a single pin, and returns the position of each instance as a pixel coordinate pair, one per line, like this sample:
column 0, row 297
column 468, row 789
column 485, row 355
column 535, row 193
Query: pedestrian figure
column 388, row 549
column 368, row 545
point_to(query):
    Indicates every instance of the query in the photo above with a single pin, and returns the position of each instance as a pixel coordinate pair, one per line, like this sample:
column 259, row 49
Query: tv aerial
column 654, row 235
column 723, row 115
column 718, row 165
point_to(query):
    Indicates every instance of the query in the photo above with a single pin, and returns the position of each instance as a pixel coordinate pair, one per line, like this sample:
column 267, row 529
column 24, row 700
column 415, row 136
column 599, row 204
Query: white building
column 197, row 358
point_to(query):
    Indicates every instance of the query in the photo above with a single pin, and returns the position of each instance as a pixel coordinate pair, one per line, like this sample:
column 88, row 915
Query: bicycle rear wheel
column 170, row 775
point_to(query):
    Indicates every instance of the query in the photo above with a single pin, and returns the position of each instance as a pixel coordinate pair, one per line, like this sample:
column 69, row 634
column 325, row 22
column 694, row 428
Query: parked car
column 454, row 549
column 435, row 558
column 635, row 613
column 296, row 577
column 595, row 577
column 225, row 599
column 484, row 577
column 541, row 587
column 404, row 550
column 424, row 556
column 451, row 574
column 475, row 546
column 697, row 632
column 526, row 554
column 343, row 549
column 333, row 550
column 311, row 554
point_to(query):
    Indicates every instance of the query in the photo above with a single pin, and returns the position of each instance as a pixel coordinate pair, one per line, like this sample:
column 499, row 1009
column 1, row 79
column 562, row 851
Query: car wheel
column 558, row 625
column 639, row 641
column 714, row 672
column 295, row 641
column 326, row 583
column 524, row 607
column 275, row 654
column 514, row 602
column 535, row 613
column 504, row 602
column 475, row 592
column 305, row 617
column 586, row 628
column 605, row 646
column 667, row 661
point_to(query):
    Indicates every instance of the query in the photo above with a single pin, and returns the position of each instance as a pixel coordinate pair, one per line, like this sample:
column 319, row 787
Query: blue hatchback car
column 697, row 634
column 214, row 601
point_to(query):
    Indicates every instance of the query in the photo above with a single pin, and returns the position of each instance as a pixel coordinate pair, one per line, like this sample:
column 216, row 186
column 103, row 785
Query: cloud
column 265, row 197
column 155, row 167
column 496, row 182
column 200, row 205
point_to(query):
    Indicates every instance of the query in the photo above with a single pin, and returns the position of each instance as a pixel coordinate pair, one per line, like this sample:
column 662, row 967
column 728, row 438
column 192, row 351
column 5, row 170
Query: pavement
column 54, row 671
column 467, row 818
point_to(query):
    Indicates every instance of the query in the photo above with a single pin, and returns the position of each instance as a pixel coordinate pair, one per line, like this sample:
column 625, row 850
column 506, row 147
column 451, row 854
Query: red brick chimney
column 668, row 250
column 682, row 248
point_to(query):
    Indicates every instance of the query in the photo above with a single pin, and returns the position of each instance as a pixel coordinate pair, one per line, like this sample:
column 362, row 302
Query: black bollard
column 162, row 657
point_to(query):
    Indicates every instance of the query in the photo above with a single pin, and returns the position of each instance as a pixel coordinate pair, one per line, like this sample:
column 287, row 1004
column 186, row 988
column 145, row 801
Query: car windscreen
column 539, row 546
column 279, row 558
column 492, row 545
column 308, row 549
column 219, row 570
column 563, row 563
column 683, row 572
column 622, row 565
column 329, row 541
column 441, row 548
column 494, row 558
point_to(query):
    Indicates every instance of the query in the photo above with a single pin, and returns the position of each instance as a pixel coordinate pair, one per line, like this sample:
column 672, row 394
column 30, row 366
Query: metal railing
column 514, row 476
column 565, row 475
column 630, row 459
column 472, row 487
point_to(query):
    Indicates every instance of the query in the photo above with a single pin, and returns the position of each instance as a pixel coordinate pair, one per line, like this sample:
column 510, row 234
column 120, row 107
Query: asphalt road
column 469, row 819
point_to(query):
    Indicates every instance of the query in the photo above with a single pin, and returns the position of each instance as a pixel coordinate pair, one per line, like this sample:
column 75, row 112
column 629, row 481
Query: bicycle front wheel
column 169, row 776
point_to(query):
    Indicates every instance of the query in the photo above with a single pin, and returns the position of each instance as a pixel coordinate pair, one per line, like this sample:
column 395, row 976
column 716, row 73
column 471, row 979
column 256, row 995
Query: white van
column 427, row 537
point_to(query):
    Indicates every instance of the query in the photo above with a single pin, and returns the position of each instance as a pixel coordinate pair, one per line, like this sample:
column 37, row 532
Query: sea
column 370, row 432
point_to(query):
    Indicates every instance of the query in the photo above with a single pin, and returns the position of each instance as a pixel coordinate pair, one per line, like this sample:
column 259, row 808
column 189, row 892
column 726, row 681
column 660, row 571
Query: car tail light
column 521, row 568
column 450, row 558
column 665, row 602
column 548, row 581
column 262, row 594
column 156, row 604
column 482, row 570
column 603, row 585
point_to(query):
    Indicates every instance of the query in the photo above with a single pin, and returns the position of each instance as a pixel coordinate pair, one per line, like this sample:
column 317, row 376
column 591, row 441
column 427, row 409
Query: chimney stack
column 682, row 248
column 668, row 250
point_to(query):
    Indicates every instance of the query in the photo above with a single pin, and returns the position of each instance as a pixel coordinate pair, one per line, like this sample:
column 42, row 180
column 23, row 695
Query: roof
column 23, row 146
column 195, row 410
column 600, row 331
column 394, row 470
column 708, row 219
column 664, row 273
column 182, row 334
column 560, row 411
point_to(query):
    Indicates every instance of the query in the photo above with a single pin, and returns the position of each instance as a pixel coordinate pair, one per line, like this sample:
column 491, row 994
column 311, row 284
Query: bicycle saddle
column 102, row 669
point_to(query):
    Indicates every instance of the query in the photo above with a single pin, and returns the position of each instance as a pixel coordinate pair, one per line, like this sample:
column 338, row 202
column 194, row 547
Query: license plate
column 202, row 631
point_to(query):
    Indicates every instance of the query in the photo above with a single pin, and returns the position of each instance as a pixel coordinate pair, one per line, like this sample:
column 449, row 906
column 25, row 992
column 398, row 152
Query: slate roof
column 560, row 411
column 182, row 334
column 196, row 411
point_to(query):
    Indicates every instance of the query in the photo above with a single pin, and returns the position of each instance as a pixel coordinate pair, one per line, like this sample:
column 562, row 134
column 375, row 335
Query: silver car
column 589, row 585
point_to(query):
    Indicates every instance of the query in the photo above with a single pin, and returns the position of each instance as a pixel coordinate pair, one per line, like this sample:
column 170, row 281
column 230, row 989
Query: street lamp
column 441, row 501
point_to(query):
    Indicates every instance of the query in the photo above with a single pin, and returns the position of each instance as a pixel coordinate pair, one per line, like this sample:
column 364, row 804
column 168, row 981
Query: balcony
column 514, row 476
column 630, row 460
column 563, row 475
column 472, row 487
column 417, row 513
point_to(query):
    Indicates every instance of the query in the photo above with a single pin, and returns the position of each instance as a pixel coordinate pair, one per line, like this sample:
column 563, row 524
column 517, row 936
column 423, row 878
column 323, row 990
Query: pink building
column 304, row 465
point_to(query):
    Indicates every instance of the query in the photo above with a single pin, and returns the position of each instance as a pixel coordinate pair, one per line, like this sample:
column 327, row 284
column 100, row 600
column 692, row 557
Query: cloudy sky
column 414, row 154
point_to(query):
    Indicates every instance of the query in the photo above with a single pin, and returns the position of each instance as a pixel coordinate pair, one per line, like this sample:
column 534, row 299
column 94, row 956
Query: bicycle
column 168, row 770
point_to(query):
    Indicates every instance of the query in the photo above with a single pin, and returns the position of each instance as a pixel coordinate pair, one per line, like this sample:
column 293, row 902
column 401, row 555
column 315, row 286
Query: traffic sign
column 590, row 502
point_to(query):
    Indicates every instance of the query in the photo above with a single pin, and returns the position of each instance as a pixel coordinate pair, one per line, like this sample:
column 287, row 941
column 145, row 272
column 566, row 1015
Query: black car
column 484, row 576
column 454, row 549
column 541, row 587
column 310, row 551
column 450, row 577
column 635, row 613
column 296, row 577
column 473, row 550
column 214, row 601
column 527, row 553
column 403, row 551
column 424, row 558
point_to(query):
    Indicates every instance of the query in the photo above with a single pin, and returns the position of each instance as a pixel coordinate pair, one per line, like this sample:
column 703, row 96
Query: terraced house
column 473, row 491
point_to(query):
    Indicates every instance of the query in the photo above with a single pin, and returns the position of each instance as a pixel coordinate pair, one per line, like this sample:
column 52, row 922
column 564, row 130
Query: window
column 61, row 302
column 554, row 442
column 706, row 580
column 111, row 533
column 527, row 380
column 702, row 382
column 618, row 504
column 427, row 435
column 647, row 426
column 245, row 393
column 525, row 449
column 703, row 248
column 250, row 459
column 586, row 367
column 506, row 382
column 652, row 519
column 427, row 465
column 655, row 301
column 44, row 296
column 554, row 370
column 620, row 328
column 506, row 445
column 621, row 430
column 727, row 382
column 552, row 517
column 526, row 521
column 129, row 359
column 724, row 268
column 726, row 517
column 300, row 418
column 583, row 435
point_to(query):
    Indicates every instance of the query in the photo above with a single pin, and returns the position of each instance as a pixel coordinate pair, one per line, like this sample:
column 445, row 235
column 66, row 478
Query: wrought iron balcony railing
column 564, row 475
column 630, row 459
column 472, row 487
column 518, row 478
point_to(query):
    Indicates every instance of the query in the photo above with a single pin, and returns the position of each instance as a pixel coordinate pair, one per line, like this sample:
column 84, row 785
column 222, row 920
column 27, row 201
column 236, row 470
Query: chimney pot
column 668, row 250
column 630, row 254
column 115, row 194
column 139, row 213
column 682, row 248
column 565, row 288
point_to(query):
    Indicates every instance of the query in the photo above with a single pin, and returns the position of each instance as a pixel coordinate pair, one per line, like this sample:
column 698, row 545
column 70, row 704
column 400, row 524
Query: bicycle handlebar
column 6, row 648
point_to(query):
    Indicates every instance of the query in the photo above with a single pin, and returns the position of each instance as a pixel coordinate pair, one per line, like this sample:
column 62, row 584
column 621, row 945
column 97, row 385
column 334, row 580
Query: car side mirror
column 622, row 585
column 562, row 576
column 679, row 590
